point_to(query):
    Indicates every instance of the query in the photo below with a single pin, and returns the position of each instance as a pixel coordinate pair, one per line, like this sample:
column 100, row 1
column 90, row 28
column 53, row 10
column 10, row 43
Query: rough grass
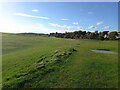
column 42, row 62
column 44, row 66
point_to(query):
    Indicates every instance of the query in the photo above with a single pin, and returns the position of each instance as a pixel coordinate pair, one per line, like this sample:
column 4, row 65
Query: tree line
column 105, row 35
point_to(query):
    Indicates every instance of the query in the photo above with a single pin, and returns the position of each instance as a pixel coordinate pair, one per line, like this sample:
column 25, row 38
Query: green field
column 49, row 62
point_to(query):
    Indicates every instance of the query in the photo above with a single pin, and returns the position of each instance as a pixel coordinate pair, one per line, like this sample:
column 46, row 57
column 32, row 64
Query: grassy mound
column 43, row 66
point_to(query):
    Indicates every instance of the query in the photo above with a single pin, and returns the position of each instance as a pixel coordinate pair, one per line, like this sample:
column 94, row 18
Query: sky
column 48, row 17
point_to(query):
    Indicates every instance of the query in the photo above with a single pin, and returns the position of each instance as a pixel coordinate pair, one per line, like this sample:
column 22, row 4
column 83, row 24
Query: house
column 118, row 37
column 105, row 36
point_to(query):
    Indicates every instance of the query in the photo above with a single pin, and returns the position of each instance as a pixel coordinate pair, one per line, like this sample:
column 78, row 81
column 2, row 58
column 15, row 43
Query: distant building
column 105, row 36
column 118, row 37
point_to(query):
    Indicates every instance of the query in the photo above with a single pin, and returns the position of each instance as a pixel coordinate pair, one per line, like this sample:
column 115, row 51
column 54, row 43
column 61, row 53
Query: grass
column 48, row 62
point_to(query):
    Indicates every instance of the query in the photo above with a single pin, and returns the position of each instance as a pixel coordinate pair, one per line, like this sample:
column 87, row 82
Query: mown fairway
column 76, row 69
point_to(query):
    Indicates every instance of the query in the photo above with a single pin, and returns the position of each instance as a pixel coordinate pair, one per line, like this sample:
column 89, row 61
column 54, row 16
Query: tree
column 101, row 36
column 112, row 35
column 96, row 35
column 92, row 36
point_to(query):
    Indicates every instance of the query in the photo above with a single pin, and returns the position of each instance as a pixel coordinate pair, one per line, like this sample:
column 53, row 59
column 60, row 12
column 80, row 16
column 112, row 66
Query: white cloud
column 68, row 27
column 75, row 23
column 12, row 27
column 60, row 30
column 106, row 27
column 55, row 25
column 41, row 28
column 35, row 10
column 99, row 23
column 91, row 31
column 27, row 15
column 64, row 19
column 9, row 26
column 80, row 28
column 63, row 26
column 92, row 27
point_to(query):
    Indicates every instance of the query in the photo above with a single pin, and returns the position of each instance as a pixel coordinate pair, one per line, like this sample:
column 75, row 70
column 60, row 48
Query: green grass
column 30, row 61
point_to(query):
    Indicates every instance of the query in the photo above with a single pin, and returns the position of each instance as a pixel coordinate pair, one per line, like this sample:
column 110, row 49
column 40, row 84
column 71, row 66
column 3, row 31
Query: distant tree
column 52, row 34
column 112, row 35
column 101, row 36
column 72, row 35
column 88, row 33
column 67, row 35
column 96, row 35
column 92, row 36
column 76, row 34
column 105, row 32
column 85, row 35
column 96, row 32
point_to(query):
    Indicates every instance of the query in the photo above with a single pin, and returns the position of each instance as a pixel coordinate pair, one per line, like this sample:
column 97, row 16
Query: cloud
column 64, row 19
column 99, row 23
column 9, row 26
column 41, row 28
column 91, row 31
column 27, row 15
column 80, row 28
column 106, row 27
column 92, row 27
column 68, row 27
column 13, row 27
column 55, row 25
column 75, row 23
column 63, row 26
column 35, row 10
column 90, row 12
